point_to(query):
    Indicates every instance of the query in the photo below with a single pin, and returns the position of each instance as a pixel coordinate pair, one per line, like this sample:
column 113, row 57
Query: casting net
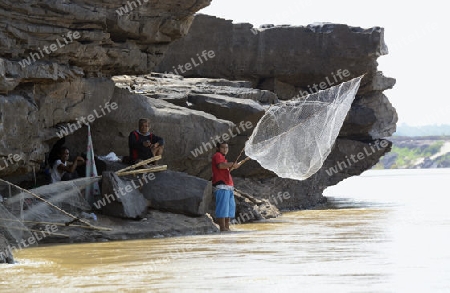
column 294, row 138
column 59, row 203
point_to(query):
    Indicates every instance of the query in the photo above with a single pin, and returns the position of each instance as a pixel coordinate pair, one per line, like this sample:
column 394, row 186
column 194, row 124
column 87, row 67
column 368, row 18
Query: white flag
column 91, row 170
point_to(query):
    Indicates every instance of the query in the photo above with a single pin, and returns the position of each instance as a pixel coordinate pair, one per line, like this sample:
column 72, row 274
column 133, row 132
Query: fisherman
column 222, row 181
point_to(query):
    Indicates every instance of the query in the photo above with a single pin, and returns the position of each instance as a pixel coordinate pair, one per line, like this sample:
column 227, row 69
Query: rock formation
column 57, row 68
column 131, row 204
column 54, row 66
column 293, row 62
column 178, row 193
column 56, row 60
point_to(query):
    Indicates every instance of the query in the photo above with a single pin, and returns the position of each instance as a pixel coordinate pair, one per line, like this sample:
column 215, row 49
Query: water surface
column 384, row 231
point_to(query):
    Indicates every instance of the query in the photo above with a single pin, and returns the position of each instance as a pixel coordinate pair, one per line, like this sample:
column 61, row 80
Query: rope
column 246, row 159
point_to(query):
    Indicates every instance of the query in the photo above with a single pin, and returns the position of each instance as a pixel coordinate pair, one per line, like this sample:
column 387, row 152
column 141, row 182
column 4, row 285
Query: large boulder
column 294, row 55
column 121, row 197
column 178, row 193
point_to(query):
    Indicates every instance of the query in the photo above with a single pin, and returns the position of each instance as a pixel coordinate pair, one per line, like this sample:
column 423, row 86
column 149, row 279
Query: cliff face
column 56, row 57
column 88, row 38
column 293, row 62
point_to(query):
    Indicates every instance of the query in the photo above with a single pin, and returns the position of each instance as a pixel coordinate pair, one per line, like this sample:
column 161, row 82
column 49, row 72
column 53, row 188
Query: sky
column 414, row 31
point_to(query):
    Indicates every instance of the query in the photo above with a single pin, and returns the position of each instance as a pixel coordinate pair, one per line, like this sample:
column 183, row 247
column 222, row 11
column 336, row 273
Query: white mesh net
column 294, row 138
column 21, row 211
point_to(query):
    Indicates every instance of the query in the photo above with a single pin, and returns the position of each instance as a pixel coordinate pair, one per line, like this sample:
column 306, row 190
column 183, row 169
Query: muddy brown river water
column 385, row 231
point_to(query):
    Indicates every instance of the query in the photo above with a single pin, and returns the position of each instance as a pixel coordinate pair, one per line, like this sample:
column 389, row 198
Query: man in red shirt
column 221, row 179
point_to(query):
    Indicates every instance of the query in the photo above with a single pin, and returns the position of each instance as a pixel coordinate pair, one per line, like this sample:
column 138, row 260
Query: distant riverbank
column 418, row 152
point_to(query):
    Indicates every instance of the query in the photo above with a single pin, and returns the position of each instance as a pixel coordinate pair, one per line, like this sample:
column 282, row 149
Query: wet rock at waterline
column 121, row 197
column 178, row 192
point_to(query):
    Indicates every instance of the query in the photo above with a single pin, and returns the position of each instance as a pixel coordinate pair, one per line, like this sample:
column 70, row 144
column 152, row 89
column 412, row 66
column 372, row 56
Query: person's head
column 144, row 125
column 222, row 147
column 64, row 154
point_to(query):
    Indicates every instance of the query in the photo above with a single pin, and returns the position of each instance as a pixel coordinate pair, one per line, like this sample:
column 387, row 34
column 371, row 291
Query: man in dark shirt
column 143, row 144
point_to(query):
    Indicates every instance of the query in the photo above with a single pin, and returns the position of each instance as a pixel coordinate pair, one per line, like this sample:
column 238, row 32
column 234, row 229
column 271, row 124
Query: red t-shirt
column 220, row 174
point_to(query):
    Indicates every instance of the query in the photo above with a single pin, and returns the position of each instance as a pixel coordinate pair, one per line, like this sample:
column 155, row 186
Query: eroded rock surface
column 56, row 58
column 178, row 193
column 47, row 96
column 122, row 197
column 293, row 61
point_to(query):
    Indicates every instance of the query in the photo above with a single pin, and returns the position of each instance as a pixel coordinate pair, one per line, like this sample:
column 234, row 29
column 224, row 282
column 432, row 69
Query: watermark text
column 207, row 146
column 33, row 239
column 348, row 162
column 72, row 127
column 108, row 198
column 183, row 68
column 50, row 49
column 336, row 78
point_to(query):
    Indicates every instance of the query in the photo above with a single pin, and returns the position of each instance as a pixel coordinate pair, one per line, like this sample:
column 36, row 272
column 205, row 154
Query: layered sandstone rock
column 46, row 96
column 55, row 55
column 293, row 62
column 56, row 60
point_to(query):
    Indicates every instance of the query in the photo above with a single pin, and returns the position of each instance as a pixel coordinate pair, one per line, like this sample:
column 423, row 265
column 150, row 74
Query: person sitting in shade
column 62, row 169
column 143, row 144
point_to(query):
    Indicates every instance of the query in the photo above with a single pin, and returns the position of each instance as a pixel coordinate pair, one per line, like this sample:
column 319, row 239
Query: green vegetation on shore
column 409, row 156
column 408, row 152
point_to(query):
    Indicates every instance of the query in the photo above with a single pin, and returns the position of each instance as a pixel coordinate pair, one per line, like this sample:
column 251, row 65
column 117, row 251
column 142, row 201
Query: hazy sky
column 415, row 33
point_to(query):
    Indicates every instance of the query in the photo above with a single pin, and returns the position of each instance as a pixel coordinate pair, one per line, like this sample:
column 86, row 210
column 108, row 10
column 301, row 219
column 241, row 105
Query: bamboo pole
column 240, row 163
column 152, row 159
column 147, row 170
column 240, row 154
